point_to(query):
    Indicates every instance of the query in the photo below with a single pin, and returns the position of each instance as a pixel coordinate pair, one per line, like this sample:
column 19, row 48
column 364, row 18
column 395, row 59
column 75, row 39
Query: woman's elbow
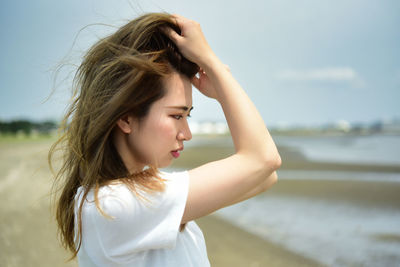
column 269, row 182
column 265, row 166
column 271, row 164
column 269, row 168
column 273, row 178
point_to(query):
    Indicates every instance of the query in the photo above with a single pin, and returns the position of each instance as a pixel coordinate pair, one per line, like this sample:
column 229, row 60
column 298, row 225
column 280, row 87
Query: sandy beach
column 28, row 231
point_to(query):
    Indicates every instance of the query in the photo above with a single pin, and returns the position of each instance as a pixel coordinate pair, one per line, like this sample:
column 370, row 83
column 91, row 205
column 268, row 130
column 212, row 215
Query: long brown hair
column 121, row 74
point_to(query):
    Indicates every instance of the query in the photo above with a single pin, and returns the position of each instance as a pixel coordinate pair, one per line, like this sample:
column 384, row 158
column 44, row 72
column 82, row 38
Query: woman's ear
column 125, row 124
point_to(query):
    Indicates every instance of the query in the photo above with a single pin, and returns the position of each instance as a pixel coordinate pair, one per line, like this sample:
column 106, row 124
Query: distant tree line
column 27, row 127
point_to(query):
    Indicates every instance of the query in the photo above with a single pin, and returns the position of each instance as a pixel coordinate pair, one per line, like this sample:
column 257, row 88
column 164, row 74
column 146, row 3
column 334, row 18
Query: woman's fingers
column 190, row 41
column 196, row 82
column 173, row 35
column 178, row 20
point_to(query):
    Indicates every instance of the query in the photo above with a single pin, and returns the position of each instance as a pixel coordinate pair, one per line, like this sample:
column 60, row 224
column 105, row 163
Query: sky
column 305, row 62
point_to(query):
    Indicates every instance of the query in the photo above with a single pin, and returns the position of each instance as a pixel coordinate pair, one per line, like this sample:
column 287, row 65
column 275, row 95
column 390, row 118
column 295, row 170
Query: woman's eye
column 178, row 117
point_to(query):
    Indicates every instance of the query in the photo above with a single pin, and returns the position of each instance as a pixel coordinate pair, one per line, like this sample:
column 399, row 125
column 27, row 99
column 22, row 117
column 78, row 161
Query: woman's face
column 158, row 138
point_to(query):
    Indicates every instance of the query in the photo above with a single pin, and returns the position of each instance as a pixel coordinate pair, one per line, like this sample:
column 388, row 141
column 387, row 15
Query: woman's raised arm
column 251, row 169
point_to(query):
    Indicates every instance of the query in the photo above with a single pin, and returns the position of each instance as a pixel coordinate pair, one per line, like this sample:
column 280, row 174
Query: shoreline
column 206, row 150
column 371, row 194
column 315, row 217
column 229, row 245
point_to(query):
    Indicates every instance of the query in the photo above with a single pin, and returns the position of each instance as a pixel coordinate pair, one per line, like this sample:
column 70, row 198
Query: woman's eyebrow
column 185, row 108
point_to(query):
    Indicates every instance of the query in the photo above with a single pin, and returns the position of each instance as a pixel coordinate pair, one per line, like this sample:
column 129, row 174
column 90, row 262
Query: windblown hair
column 121, row 74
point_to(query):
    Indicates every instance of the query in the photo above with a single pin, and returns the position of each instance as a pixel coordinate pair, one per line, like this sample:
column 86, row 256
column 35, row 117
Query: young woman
column 129, row 118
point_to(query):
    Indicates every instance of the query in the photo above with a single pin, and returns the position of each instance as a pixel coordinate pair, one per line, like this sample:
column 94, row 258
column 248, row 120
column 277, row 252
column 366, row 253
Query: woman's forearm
column 249, row 134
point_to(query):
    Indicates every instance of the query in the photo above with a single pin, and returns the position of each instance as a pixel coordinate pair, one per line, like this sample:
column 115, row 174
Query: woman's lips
column 175, row 153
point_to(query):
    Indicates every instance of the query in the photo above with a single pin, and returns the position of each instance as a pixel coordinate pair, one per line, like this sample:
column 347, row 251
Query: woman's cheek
column 168, row 127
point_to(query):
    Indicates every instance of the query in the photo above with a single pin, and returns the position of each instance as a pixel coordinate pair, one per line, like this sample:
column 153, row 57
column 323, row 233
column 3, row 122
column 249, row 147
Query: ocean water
column 339, row 175
column 368, row 149
column 335, row 233
column 332, row 233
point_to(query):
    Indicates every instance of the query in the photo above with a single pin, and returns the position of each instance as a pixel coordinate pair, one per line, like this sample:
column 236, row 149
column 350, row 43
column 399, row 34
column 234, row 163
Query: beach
column 27, row 229
column 336, row 223
column 229, row 245
column 273, row 229
column 337, row 200
column 28, row 233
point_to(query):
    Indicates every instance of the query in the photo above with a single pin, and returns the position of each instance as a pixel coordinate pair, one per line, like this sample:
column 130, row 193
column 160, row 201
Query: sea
column 332, row 232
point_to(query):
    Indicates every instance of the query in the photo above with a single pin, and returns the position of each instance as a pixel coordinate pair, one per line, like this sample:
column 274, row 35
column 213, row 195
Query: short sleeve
column 132, row 224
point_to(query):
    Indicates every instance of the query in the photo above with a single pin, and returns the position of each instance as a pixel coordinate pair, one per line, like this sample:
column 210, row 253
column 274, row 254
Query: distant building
column 386, row 126
column 208, row 127
column 343, row 126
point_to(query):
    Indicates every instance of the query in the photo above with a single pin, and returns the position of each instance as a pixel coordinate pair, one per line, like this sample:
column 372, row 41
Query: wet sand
column 228, row 245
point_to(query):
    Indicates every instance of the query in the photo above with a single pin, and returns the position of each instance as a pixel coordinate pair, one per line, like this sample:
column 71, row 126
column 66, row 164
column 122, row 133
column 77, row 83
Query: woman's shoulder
column 119, row 193
column 115, row 200
column 115, row 188
column 113, row 195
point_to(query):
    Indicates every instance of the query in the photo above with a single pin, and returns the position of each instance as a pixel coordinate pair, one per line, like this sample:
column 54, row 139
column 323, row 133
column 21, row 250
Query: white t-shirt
column 140, row 232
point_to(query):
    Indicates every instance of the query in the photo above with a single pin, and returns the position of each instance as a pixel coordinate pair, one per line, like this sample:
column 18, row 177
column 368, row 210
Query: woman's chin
column 166, row 165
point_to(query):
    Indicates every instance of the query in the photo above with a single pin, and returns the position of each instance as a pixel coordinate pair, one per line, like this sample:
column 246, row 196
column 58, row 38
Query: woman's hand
column 191, row 42
column 193, row 45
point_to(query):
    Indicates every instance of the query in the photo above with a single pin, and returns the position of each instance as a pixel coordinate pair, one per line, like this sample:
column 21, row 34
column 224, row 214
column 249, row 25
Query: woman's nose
column 185, row 133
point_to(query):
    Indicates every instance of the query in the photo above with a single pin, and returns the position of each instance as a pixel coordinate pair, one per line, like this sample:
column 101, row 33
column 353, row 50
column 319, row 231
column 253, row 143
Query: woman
column 129, row 118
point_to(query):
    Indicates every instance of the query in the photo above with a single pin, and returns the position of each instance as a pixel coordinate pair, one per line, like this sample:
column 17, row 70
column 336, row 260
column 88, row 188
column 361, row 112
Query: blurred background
column 324, row 75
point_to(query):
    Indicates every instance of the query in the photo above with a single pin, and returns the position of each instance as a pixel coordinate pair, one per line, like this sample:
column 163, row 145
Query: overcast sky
column 302, row 62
